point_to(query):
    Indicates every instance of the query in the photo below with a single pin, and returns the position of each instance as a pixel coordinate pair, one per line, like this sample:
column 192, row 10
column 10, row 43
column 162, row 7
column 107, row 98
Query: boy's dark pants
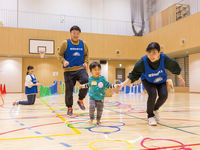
column 99, row 104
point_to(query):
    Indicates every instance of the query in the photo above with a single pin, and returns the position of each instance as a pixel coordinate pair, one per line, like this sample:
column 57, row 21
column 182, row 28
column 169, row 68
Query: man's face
column 153, row 55
column 75, row 34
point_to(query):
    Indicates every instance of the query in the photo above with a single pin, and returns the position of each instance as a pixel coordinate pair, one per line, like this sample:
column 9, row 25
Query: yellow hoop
column 130, row 145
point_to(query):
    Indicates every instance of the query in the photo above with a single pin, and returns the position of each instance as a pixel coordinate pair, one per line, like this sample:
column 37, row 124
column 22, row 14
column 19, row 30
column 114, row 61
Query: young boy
column 97, row 84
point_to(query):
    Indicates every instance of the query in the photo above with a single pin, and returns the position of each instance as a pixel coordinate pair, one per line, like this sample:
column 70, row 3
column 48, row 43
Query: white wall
column 153, row 7
column 11, row 73
column 94, row 16
column 194, row 72
column 104, row 70
column 163, row 4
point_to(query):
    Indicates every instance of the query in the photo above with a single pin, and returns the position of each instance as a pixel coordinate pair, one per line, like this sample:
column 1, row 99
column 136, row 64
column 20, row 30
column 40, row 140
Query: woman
column 30, row 88
column 151, row 69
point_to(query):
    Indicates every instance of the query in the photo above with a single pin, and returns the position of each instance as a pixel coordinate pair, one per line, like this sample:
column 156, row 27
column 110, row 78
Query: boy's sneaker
column 70, row 111
column 98, row 122
column 91, row 121
column 81, row 105
column 152, row 121
column 157, row 116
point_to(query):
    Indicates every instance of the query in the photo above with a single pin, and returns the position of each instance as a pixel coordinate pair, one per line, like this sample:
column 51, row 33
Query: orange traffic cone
column 4, row 89
column 1, row 88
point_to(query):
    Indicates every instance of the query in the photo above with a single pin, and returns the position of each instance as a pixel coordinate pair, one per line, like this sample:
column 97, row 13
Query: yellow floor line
column 63, row 119
column 32, row 137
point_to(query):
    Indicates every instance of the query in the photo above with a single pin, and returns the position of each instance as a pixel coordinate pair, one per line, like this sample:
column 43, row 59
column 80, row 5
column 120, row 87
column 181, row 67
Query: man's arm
column 85, row 58
column 61, row 51
column 86, row 52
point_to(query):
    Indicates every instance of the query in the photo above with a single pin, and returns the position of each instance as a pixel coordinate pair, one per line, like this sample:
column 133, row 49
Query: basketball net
column 42, row 53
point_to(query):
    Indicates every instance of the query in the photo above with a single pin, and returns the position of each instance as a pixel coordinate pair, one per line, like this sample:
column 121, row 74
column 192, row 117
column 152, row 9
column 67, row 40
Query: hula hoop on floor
column 128, row 148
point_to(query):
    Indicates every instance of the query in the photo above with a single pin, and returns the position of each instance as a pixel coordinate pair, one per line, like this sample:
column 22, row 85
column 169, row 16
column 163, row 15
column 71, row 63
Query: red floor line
column 37, row 126
column 12, row 131
column 181, row 120
column 31, row 127
column 47, row 124
column 28, row 117
column 111, row 118
column 163, row 119
column 31, row 117
column 197, row 144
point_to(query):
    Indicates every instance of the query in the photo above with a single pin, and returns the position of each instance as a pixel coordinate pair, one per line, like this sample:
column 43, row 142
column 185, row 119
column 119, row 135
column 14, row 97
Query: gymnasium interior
column 117, row 33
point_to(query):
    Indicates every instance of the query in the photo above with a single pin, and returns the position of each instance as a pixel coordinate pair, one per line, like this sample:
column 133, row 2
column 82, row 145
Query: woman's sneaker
column 152, row 121
column 157, row 116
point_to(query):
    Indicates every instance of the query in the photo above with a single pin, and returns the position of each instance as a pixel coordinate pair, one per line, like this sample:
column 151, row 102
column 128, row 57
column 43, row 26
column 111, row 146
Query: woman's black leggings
column 153, row 90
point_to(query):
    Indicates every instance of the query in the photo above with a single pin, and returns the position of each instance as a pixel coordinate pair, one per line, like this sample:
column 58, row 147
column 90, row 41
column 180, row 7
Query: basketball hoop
column 42, row 53
column 41, row 47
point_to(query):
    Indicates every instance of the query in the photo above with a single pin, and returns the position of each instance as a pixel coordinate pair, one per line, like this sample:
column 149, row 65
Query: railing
column 59, row 22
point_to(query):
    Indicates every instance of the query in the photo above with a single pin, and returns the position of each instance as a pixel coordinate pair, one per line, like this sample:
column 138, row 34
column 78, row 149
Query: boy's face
column 75, row 34
column 153, row 55
column 96, row 72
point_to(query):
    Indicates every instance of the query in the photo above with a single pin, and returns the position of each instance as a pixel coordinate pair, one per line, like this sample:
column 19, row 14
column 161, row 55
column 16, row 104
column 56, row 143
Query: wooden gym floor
column 45, row 126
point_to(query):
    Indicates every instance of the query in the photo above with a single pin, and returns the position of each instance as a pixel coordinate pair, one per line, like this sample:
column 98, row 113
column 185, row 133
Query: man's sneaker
column 152, row 121
column 81, row 105
column 70, row 111
column 157, row 116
